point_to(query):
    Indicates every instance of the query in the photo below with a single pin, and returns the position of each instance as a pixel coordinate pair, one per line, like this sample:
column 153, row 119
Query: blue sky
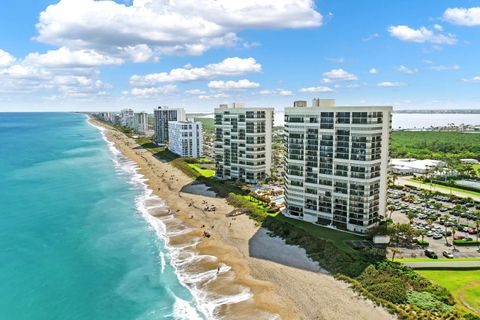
column 105, row 55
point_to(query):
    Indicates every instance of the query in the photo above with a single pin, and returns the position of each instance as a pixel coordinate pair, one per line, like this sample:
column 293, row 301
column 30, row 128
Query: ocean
column 75, row 239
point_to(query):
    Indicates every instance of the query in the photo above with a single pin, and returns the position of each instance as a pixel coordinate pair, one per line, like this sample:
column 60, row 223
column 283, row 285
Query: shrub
column 393, row 291
column 423, row 243
column 427, row 300
column 466, row 243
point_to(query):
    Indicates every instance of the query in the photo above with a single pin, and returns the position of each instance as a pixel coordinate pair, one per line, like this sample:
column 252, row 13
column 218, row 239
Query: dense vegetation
column 208, row 124
column 434, row 145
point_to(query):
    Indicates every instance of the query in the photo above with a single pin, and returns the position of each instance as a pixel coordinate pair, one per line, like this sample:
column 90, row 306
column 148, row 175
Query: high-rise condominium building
column 185, row 138
column 140, row 122
column 336, row 164
column 243, row 142
column 126, row 118
column 163, row 115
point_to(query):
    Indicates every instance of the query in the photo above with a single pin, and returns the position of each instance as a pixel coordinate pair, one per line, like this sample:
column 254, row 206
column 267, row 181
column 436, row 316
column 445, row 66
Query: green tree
column 391, row 209
column 394, row 251
column 446, row 217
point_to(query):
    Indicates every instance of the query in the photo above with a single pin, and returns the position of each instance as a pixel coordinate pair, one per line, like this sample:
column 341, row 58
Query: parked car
column 448, row 254
column 437, row 236
column 431, row 254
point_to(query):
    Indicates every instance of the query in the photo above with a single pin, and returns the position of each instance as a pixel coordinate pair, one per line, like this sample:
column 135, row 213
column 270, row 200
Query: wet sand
column 277, row 289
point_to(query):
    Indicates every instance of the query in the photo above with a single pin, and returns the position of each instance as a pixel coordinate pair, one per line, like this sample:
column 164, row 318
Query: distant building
column 185, row 138
column 336, row 164
column 163, row 115
column 140, row 123
column 126, row 118
column 411, row 166
column 243, row 142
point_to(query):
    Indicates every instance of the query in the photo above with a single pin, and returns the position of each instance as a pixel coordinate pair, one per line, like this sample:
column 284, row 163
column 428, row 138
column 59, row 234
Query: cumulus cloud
column 166, row 27
column 316, row 90
column 373, row 71
column 213, row 96
column 421, row 35
column 338, row 75
column 65, row 57
column 228, row 67
column 389, row 84
column 195, row 91
column 463, row 16
column 6, row 59
column 233, row 85
column 406, row 70
column 371, row 37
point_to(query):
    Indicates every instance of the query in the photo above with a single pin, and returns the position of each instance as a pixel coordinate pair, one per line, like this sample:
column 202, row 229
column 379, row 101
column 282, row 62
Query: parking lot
column 435, row 217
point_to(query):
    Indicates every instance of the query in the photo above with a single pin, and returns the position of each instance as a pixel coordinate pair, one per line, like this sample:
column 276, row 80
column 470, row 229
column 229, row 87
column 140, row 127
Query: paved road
column 444, row 264
column 405, row 180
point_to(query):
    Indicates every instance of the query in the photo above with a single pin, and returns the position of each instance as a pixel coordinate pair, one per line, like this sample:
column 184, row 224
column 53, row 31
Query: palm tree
column 454, row 229
column 394, row 251
column 437, row 206
column 422, row 234
column 411, row 215
column 446, row 217
column 391, row 209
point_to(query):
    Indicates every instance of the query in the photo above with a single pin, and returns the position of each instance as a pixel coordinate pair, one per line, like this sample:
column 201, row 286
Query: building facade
column 336, row 164
column 185, row 138
column 243, row 142
column 140, row 122
column 163, row 115
column 126, row 118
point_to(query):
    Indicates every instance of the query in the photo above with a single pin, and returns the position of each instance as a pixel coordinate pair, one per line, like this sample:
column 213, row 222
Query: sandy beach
column 293, row 287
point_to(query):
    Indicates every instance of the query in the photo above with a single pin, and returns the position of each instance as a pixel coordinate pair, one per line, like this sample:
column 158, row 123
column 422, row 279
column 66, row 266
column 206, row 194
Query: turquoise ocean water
column 72, row 242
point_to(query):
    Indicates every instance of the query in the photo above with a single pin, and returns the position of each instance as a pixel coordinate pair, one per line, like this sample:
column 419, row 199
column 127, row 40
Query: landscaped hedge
column 466, row 243
column 454, row 185
column 423, row 243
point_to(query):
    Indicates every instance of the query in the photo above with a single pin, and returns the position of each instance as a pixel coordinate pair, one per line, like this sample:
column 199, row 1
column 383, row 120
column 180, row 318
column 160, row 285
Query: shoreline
column 276, row 290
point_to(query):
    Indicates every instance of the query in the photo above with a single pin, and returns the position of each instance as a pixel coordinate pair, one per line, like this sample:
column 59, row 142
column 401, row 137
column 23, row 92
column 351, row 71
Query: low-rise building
column 185, row 138
column 414, row 166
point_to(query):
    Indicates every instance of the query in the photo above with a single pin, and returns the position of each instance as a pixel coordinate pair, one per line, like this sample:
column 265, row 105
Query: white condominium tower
column 140, row 122
column 185, row 138
column 336, row 164
column 243, row 142
column 162, row 116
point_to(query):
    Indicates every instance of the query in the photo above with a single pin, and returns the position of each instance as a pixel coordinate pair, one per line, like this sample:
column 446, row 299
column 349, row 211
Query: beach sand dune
column 287, row 288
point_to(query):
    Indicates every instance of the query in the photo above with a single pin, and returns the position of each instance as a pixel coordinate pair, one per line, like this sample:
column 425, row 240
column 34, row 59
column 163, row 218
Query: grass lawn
column 337, row 237
column 434, row 260
column 463, row 284
column 204, row 172
column 447, row 189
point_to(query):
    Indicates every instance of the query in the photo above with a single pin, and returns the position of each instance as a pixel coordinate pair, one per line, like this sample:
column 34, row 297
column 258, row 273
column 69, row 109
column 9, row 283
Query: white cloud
column 153, row 91
column 475, row 79
column 388, row 84
column 316, row 90
column 233, row 85
column 406, row 70
column 373, row 71
column 453, row 67
column 437, row 27
column 65, row 57
column 421, row 35
column 166, row 27
column 228, row 67
column 6, row 59
column 463, row 16
column 338, row 75
column 280, row 92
